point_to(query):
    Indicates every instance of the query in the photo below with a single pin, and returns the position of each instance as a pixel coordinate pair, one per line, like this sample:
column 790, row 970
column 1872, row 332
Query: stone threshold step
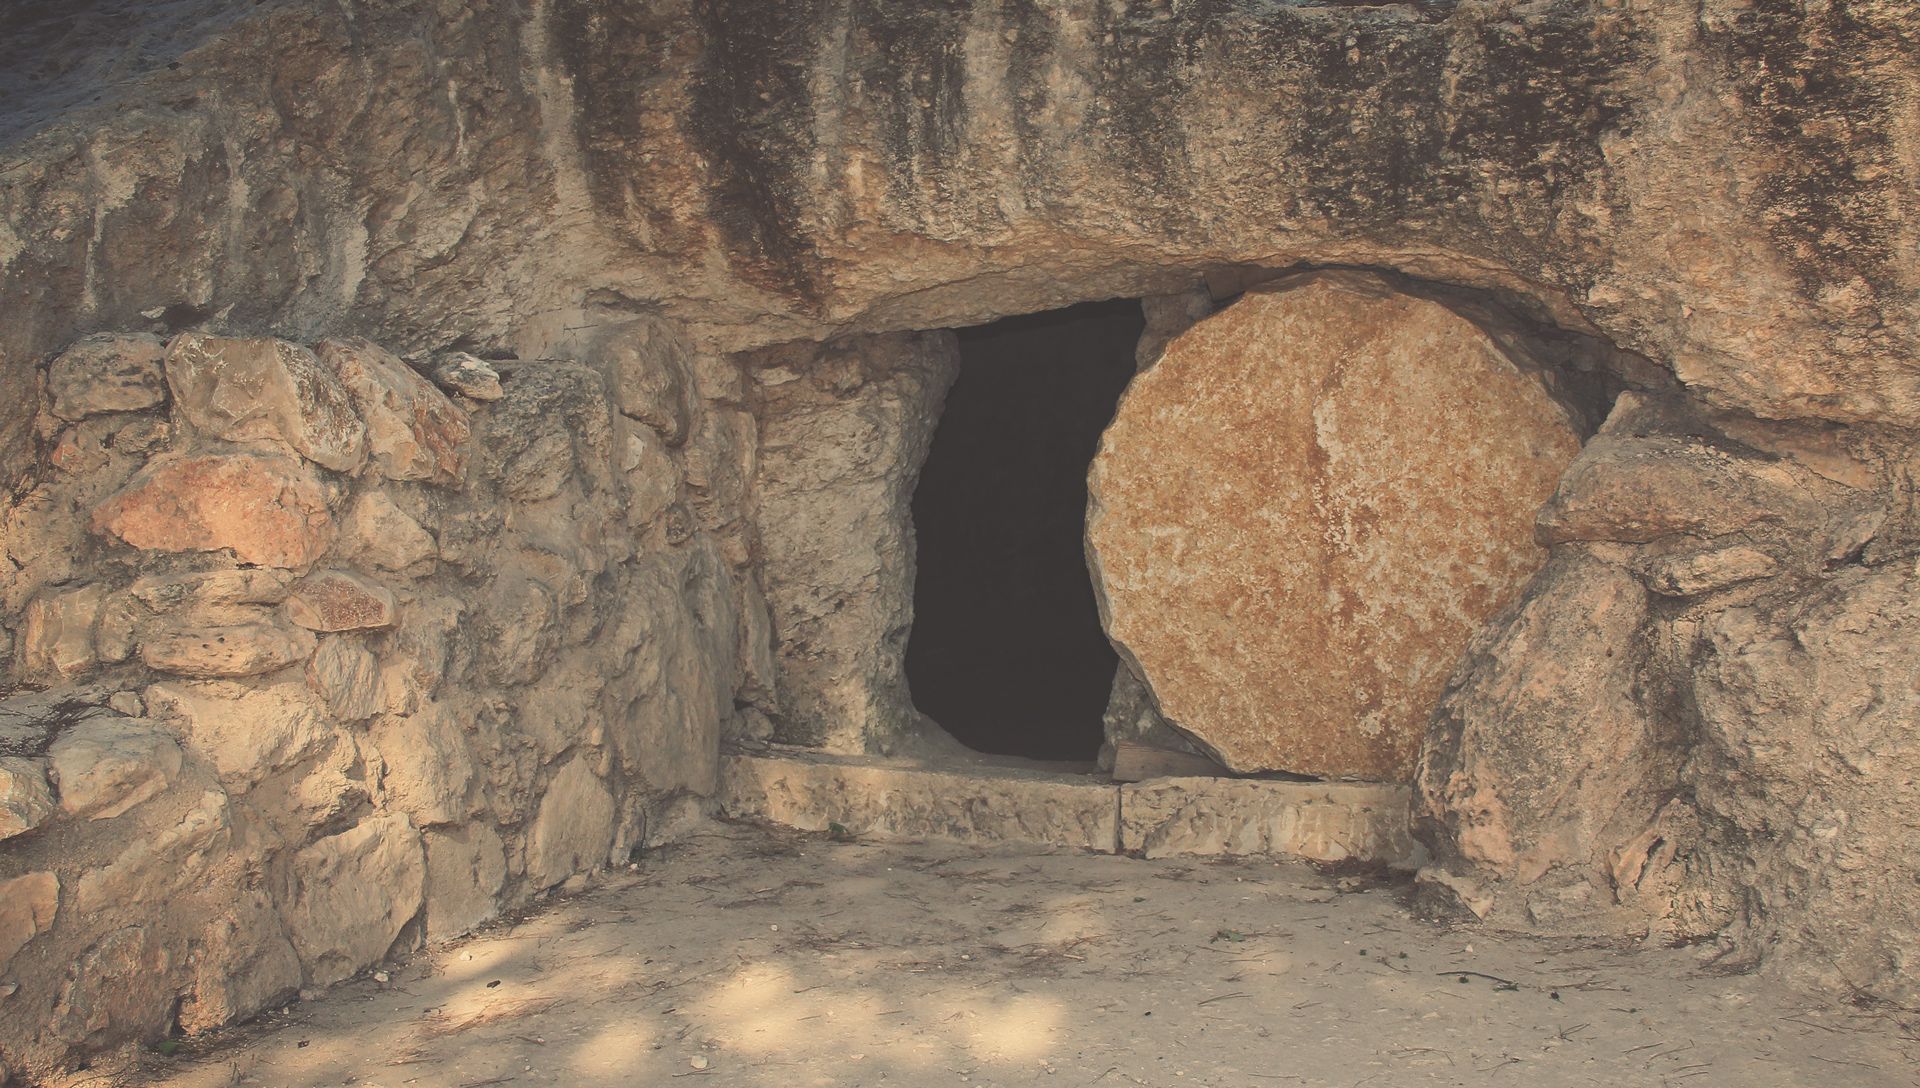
column 901, row 800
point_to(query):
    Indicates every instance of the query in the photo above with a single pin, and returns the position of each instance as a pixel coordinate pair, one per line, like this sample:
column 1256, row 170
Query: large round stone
column 1301, row 514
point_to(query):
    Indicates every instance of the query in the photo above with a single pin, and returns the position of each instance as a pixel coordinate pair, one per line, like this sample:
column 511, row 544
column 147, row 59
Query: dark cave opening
column 1007, row 653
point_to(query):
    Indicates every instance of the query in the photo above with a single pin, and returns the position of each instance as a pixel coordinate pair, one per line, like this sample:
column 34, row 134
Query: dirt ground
column 749, row 957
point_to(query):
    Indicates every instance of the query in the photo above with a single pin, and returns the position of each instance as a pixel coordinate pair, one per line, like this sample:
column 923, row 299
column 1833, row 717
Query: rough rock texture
column 843, row 431
column 1715, row 195
column 479, row 664
column 1296, row 588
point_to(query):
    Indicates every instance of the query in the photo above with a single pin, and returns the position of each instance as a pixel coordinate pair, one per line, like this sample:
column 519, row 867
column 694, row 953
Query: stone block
column 1235, row 817
column 26, row 797
column 347, row 675
column 109, row 372
column 57, row 634
column 246, row 731
column 378, row 533
column 468, row 375
column 335, row 600
column 27, row 908
column 1305, row 509
column 1698, row 573
column 259, row 389
column 573, row 830
column 267, row 509
column 249, row 649
column 466, row 866
column 104, row 765
column 352, row 894
column 413, row 431
column 215, row 597
column 429, row 766
column 897, row 800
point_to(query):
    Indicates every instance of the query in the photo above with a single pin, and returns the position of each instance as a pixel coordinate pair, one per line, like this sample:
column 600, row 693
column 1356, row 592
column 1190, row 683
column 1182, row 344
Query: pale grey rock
column 170, row 860
column 104, row 765
column 26, row 798
column 213, row 597
column 469, row 376
column 347, row 675
column 352, row 894
column 466, row 866
column 108, row 372
column 246, row 731
column 573, row 830
column 265, row 390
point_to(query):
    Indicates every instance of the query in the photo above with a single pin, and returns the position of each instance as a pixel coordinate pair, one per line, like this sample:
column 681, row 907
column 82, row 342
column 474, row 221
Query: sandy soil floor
column 746, row 957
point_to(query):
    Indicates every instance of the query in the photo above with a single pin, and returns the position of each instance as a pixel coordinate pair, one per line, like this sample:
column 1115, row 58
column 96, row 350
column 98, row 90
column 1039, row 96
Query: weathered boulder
column 214, row 597
column 26, row 799
column 334, row 600
column 245, row 964
column 429, row 768
column 1637, row 489
column 352, row 894
column 261, row 389
column 466, row 865
column 246, row 731
column 268, row 509
column 1542, row 758
column 1692, row 574
column 573, row 830
column 1296, row 587
column 123, row 982
column 247, row 649
column 27, row 908
column 109, row 372
column 413, row 431
column 105, row 764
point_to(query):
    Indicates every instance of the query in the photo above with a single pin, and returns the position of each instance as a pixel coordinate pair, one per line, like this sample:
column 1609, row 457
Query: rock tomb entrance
column 1297, row 520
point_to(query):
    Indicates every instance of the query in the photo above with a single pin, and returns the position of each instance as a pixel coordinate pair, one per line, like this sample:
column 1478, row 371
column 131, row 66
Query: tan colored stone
column 413, row 431
column 161, row 863
column 268, row 509
column 1303, row 511
column 347, row 676
column 1705, row 572
column 109, row 372
column 892, row 799
column 245, row 964
column 1634, row 489
column 465, row 868
column 334, row 600
column 241, row 650
column 209, row 596
column 27, row 907
column 352, row 894
column 380, row 534
column 57, row 633
column 573, row 830
column 263, row 389
column 429, row 767
column 1233, row 817
column 247, row 732
column 104, row 765
column 648, row 365
column 26, row 800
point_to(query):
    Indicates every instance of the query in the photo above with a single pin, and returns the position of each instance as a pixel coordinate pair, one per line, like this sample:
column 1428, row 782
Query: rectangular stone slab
column 889, row 799
column 1319, row 821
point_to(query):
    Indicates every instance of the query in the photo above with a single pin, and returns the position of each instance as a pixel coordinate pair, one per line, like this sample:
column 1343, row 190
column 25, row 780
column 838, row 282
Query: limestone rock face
column 262, row 389
column 107, row 373
column 1305, row 509
column 27, row 906
column 25, row 798
column 240, row 650
column 106, row 764
column 574, row 828
column 335, row 600
column 353, row 893
column 268, row 509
